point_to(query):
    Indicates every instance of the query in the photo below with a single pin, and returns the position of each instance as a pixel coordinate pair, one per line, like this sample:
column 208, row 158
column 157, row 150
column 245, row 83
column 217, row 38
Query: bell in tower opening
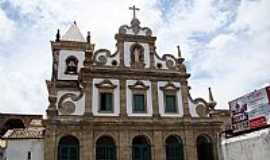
column 71, row 65
column 137, row 56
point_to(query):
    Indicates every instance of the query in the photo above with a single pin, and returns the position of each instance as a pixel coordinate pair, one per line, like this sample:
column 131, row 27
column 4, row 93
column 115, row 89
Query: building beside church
column 130, row 104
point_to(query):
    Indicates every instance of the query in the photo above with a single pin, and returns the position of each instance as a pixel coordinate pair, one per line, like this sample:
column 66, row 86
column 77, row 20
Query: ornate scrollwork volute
column 102, row 56
column 66, row 103
column 135, row 27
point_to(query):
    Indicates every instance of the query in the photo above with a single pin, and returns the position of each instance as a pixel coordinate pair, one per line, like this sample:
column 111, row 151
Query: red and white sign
column 251, row 111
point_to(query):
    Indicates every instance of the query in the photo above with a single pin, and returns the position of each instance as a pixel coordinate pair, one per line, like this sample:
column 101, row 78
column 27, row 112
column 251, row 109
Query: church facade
column 131, row 104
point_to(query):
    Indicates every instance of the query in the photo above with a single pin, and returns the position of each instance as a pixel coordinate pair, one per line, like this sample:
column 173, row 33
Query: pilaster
column 185, row 96
column 123, row 145
column 123, row 106
column 88, row 97
column 158, row 146
column 155, row 105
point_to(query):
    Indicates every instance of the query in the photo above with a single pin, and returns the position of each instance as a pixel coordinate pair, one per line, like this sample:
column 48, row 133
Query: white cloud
column 7, row 27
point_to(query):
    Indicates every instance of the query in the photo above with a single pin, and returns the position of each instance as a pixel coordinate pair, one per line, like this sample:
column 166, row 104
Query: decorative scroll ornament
column 66, row 103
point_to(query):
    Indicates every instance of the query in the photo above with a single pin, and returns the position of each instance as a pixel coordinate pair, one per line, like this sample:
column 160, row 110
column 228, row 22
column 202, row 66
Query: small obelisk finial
column 134, row 10
column 210, row 95
column 57, row 37
column 88, row 38
column 212, row 102
column 179, row 51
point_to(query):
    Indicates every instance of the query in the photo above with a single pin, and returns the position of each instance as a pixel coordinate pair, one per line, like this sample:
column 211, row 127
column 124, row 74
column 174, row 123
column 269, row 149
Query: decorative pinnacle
column 88, row 38
column 179, row 51
column 212, row 102
column 134, row 10
column 57, row 39
column 211, row 99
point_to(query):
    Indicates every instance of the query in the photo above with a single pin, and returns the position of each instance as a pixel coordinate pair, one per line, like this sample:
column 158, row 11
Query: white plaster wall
column 62, row 63
column 17, row 149
column 161, row 101
column 80, row 104
column 192, row 109
column 116, row 98
column 127, row 57
column 251, row 146
column 129, row 99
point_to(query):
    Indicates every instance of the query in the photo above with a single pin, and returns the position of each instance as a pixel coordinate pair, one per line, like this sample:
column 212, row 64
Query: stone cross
column 134, row 10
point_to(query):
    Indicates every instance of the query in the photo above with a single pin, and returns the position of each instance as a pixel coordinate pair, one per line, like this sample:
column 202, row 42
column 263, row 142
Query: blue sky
column 225, row 42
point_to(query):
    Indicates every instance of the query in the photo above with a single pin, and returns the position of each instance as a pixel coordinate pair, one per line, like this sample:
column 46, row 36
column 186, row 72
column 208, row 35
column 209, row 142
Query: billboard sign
column 251, row 111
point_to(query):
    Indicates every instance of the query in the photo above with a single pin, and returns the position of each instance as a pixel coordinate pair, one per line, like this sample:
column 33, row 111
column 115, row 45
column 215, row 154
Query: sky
column 225, row 43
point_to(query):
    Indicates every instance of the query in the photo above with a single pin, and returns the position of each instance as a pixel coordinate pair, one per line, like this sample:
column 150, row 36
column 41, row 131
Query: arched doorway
column 69, row 148
column 141, row 148
column 174, row 148
column 205, row 148
column 105, row 148
column 11, row 124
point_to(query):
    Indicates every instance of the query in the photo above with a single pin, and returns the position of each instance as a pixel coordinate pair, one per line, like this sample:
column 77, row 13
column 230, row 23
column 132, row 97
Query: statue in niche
column 71, row 65
column 137, row 56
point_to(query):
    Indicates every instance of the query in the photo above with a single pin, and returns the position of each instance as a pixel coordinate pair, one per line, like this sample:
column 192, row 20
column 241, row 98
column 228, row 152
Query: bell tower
column 68, row 52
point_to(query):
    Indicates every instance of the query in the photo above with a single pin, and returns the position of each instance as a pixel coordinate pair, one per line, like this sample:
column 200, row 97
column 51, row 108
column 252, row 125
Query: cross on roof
column 134, row 10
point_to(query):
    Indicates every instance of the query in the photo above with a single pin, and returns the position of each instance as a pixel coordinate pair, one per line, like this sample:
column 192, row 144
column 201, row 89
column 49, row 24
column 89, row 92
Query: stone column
column 88, row 97
column 123, row 105
column 158, row 146
column 155, row 105
column 123, row 145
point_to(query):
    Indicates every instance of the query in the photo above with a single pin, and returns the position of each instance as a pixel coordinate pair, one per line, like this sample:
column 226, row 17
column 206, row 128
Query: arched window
column 71, row 65
column 11, row 124
column 69, row 148
column 105, row 149
column 174, row 148
column 204, row 148
column 141, row 148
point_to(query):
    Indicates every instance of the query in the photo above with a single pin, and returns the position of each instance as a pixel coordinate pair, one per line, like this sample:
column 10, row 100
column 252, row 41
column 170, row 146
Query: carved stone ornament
column 66, row 102
column 67, row 107
column 135, row 27
column 105, row 84
column 139, row 85
column 169, row 87
column 102, row 56
column 202, row 111
column 170, row 61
